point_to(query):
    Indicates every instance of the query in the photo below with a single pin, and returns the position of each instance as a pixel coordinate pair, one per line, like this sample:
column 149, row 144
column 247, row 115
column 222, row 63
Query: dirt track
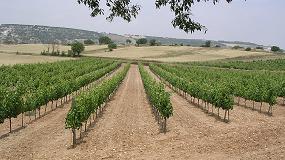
column 127, row 130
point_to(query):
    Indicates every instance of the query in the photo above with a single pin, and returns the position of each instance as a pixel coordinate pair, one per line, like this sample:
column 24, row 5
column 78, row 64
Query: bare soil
column 127, row 130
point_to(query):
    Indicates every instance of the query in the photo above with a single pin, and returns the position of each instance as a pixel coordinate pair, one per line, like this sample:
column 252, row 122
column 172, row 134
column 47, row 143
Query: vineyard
column 26, row 88
column 218, row 87
column 92, row 108
column 272, row 65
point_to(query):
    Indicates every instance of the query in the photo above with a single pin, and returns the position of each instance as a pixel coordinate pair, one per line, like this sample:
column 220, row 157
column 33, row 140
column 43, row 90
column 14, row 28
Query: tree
column 89, row 42
column 259, row 47
column 237, row 47
column 152, row 42
column 248, row 49
column 128, row 41
column 207, row 44
column 127, row 10
column 105, row 40
column 275, row 49
column 112, row 46
column 141, row 41
column 77, row 48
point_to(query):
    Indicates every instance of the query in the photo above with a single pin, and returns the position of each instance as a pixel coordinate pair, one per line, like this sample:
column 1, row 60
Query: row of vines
column 256, row 86
column 273, row 65
column 25, row 88
column 217, row 94
column 158, row 97
column 89, row 103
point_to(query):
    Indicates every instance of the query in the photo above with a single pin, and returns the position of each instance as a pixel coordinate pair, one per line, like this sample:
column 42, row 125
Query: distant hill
column 14, row 33
column 27, row 34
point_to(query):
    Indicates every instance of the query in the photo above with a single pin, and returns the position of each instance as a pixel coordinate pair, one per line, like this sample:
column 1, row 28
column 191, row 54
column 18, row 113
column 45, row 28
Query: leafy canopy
column 127, row 10
column 112, row 46
column 77, row 47
column 141, row 41
column 105, row 40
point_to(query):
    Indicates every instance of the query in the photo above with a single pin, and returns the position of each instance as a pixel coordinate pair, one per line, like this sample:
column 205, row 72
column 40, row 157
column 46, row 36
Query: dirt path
column 46, row 138
column 249, row 135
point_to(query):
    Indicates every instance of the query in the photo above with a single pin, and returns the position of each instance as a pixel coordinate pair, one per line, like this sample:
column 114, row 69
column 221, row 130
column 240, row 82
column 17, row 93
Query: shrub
column 248, row 49
column 112, row 46
column 152, row 42
column 128, row 41
column 63, row 53
column 89, row 42
column 275, row 49
column 237, row 47
column 207, row 44
column 141, row 41
column 259, row 47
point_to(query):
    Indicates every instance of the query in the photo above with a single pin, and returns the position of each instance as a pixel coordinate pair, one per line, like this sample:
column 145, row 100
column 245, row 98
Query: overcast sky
column 259, row 21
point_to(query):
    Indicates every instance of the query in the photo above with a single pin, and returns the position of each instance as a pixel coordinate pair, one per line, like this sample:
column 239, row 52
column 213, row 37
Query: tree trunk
column 35, row 113
column 270, row 110
column 238, row 100
column 85, row 127
column 73, row 137
column 260, row 107
column 40, row 112
column 10, row 120
column 46, row 108
column 228, row 115
column 22, row 119
column 80, row 135
column 253, row 104
column 219, row 111
column 30, row 116
column 225, row 115
column 164, row 127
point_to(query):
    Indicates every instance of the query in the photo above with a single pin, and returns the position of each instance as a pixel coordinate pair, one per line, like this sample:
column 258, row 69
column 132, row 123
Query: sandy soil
column 127, row 130
column 10, row 59
column 175, row 53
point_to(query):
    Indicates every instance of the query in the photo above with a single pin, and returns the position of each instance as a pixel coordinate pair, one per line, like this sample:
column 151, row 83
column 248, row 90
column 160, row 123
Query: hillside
column 34, row 34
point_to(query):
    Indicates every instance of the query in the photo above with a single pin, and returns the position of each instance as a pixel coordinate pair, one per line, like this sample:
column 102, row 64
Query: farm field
column 38, row 48
column 156, row 53
column 175, row 53
column 11, row 59
column 125, row 126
